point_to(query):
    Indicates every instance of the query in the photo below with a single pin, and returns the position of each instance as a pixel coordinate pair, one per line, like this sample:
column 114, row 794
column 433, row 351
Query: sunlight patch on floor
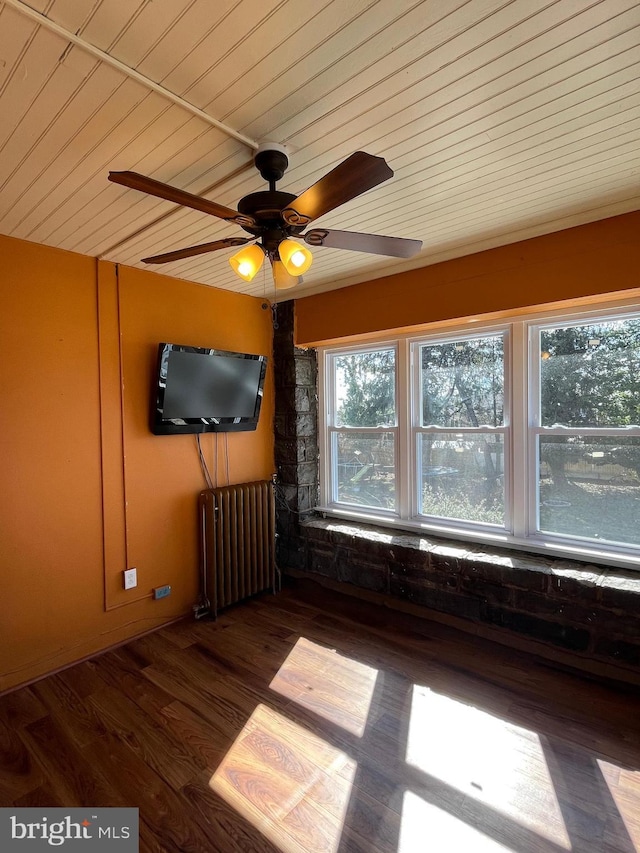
column 337, row 688
column 624, row 787
column 289, row 783
column 489, row 760
column 426, row 827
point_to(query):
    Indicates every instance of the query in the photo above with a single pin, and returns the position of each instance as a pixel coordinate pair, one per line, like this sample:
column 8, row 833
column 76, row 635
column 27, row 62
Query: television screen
column 206, row 390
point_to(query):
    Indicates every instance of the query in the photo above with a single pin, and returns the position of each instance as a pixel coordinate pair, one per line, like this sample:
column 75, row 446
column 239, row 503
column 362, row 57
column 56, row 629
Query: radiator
column 237, row 544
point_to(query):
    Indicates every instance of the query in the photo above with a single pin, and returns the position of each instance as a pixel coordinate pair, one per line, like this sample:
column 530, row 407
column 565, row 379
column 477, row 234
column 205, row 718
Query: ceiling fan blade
column 134, row 181
column 189, row 252
column 355, row 175
column 376, row 244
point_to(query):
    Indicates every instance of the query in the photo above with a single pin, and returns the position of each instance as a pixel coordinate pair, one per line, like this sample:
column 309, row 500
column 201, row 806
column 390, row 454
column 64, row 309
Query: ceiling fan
column 273, row 217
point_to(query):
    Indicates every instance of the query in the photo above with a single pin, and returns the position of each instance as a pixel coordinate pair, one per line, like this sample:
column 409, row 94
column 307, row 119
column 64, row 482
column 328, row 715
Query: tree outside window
column 460, row 445
column 589, row 467
column 364, row 443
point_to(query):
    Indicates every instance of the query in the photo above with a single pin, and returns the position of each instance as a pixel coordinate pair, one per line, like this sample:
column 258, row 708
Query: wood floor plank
column 225, row 719
column 179, row 633
column 332, row 685
column 189, row 631
column 293, row 786
column 254, row 655
column 146, row 735
column 74, row 715
column 369, row 825
column 20, row 773
column 264, row 612
column 228, row 691
column 167, row 820
column 121, row 671
column 200, row 738
column 237, row 835
column 41, row 797
column 149, row 650
column 309, row 721
column 68, row 774
column 21, row 707
column 83, row 678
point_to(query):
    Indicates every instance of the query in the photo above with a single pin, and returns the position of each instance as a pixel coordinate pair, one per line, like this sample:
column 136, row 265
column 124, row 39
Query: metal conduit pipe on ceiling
column 21, row 7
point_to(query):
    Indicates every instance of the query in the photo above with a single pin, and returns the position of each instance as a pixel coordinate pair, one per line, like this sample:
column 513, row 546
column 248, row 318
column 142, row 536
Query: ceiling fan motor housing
column 265, row 207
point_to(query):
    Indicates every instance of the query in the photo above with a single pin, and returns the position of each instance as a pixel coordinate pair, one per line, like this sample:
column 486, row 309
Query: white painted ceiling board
column 501, row 120
column 73, row 15
column 132, row 206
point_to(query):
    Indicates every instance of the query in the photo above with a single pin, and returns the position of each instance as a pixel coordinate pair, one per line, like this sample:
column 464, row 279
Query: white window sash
column 520, row 431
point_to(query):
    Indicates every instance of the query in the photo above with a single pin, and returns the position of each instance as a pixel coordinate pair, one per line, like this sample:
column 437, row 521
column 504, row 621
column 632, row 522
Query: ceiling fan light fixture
column 296, row 258
column 272, row 217
column 282, row 279
column 247, row 261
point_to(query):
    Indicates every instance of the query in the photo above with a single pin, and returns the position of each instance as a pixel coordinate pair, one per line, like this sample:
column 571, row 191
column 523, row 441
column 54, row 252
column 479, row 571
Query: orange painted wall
column 599, row 258
column 87, row 489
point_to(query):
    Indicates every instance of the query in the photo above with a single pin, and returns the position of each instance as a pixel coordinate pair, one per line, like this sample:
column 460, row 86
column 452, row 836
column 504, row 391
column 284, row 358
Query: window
column 586, row 442
column 527, row 433
column 460, row 430
column 363, row 429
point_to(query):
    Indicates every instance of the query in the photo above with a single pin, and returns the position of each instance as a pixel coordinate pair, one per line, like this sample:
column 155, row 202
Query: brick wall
column 583, row 614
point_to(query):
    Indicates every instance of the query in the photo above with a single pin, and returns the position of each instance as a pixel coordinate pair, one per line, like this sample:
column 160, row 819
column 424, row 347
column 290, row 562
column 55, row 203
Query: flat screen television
column 206, row 390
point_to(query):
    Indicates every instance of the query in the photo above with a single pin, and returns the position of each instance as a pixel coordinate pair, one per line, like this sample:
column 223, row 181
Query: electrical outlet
column 130, row 578
column 161, row 591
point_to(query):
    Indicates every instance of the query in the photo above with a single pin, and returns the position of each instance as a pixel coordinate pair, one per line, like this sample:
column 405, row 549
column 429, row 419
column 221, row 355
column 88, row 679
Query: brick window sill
column 584, row 609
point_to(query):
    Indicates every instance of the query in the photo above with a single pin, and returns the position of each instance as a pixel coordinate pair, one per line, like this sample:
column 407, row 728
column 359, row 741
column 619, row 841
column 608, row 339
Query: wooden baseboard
column 90, row 656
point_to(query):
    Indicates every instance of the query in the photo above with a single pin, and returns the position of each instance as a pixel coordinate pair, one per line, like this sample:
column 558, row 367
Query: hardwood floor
column 311, row 722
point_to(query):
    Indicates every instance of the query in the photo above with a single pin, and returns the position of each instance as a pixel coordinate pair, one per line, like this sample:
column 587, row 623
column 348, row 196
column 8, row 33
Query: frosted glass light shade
column 296, row 258
column 281, row 278
column 247, row 261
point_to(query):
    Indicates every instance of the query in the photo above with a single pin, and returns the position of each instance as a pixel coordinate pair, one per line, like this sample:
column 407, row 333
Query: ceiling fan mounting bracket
column 271, row 160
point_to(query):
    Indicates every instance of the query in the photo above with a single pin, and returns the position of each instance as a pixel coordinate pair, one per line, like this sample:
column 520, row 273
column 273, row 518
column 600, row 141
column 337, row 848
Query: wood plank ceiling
column 502, row 119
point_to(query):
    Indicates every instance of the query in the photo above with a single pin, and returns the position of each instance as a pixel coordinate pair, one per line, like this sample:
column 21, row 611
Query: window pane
column 462, row 383
column 590, row 375
column 590, row 487
column 366, row 469
column 366, row 389
column 462, row 476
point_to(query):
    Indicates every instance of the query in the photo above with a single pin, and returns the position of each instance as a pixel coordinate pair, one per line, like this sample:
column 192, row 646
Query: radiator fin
column 237, row 543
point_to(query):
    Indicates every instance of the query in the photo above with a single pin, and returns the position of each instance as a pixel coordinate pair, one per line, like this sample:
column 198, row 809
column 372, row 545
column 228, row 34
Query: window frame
column 417, row 429
column 332, row 430
column 522, row 381
column 536, row 430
